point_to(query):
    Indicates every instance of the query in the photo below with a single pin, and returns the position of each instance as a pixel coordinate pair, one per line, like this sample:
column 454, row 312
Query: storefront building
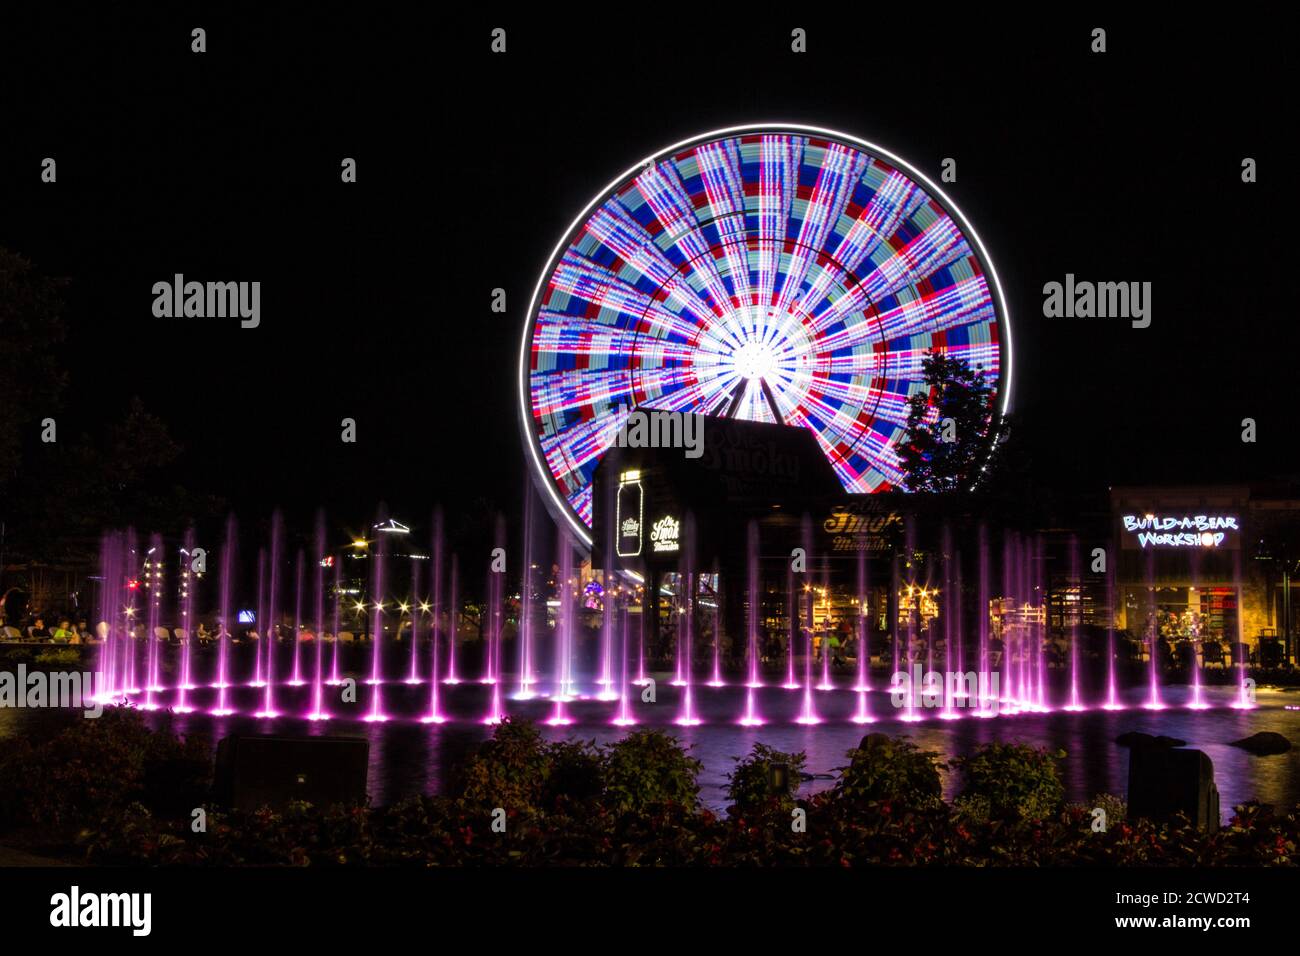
column 1209, row 565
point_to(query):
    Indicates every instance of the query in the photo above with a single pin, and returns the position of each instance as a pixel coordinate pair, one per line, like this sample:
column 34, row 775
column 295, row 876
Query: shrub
column 12, row 656
column 883, row 768
column 648, row 769
column 1010, row 781
column 509, row 770
column 1116, row 808
column 59, row 657
column 576, row 773
column 96, row 768
column 972, row 808
column 645, row 813
column 750, row 786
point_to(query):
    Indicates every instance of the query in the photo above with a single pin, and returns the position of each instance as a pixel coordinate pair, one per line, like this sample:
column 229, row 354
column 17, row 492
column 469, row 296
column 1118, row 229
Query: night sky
column 375, row 296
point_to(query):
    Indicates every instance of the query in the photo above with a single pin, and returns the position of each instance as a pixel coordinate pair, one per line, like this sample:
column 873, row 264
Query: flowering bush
column 889, row 769
column 1010, row 781
column 97, row 768
column 750, row 784
column 647, row 770
column 632, row 803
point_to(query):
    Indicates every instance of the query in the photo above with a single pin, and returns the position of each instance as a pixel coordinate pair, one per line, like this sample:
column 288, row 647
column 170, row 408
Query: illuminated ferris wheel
column 773, row 273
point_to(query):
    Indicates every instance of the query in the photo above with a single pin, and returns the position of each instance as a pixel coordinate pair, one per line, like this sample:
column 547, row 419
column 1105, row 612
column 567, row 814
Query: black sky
column 375, row 297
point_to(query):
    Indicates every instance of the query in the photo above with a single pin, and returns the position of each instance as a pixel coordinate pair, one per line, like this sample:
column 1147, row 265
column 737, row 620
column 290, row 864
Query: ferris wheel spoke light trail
column 775, row 273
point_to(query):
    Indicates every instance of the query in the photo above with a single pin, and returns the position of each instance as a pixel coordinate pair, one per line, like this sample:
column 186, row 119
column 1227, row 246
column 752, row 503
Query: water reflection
column 407, row 757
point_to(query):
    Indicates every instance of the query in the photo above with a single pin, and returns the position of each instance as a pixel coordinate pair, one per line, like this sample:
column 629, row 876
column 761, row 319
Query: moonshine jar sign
column 629, row 514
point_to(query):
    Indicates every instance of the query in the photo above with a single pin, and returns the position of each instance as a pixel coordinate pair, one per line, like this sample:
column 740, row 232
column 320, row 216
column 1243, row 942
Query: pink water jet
column 189, row 583
column 1197, row 702
column 273, row 623
column 495, row 596
column 606, row 678
column 950, row 611
column 525, row 639
column 296, row 680
column 496, row 713
column 1112, row 691
column 678, row 680
column 751, row 717
column 453, row 623
column 1243, row 701
column 338, row 605
column 1040, row 592
column 417, row 605
column 864, row 624
column 131, row 569
column 716, row 680
column 607, row 609
column 153, row 583
column 863, row 714
column 825, row 683
column 809, row 713
column 109, row 603
column 1075, row 581
column 686, row 626
column 754, row 611
column 317, row 711
column 435, row 715
column 624, row 716
column 958, row 628
column 649, row 606
column 1152, row 635
column 260, row 621
column 377, row 629
column 562, row 689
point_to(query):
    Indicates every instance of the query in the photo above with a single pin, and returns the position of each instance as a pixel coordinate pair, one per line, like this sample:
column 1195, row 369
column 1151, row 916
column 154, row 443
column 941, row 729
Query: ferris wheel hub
column 755, row 360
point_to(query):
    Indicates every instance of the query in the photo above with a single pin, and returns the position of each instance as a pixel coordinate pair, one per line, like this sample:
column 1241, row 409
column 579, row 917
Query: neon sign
column 856, row 527
column 664, row 535
column 1180, row 531
column 628, row 515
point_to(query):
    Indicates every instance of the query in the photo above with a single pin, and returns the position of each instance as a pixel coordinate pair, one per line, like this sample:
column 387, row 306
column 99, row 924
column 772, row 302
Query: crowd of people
column 35, row 629
column 38, row 628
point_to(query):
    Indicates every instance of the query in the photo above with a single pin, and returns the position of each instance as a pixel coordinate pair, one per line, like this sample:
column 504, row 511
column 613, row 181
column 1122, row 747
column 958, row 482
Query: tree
column 69, row 493
column 949, row 426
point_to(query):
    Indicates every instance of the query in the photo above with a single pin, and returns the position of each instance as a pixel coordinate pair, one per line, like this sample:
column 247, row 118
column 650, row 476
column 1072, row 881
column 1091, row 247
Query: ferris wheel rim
column 561, row 509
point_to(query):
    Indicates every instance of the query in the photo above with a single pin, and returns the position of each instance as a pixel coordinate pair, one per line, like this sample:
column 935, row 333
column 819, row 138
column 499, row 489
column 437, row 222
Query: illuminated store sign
column 855, row 527
column 628, row 514
column 665, row 533
column 1180, row 531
